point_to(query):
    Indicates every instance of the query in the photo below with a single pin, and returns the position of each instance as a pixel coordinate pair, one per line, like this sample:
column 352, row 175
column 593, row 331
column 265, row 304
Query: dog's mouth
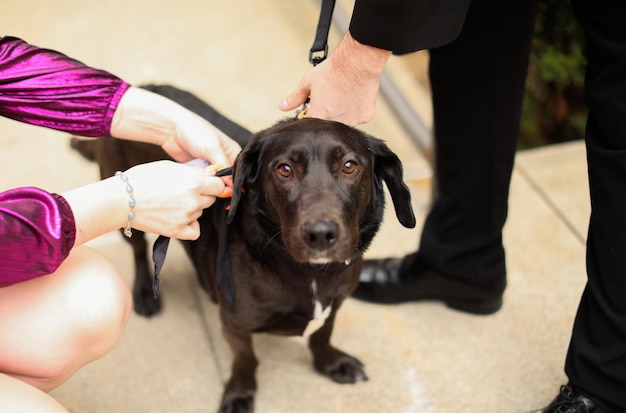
column 326, row 260
column 319, row 260
column 336, row 255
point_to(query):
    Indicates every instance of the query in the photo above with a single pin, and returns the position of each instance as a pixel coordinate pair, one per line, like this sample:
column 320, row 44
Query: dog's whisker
column 272, row 238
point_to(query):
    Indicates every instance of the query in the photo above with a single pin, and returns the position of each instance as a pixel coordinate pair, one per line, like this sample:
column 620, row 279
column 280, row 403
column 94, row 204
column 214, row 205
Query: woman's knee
column 98, row 303
column 54, row 325
column 18, row 396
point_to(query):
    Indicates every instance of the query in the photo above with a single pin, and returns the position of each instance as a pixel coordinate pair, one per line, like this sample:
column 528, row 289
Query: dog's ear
column 387, row 167
column 247, row 166
column 245, row 170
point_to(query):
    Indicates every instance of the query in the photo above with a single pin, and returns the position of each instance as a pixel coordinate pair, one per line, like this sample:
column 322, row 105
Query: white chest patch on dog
column 319, row 314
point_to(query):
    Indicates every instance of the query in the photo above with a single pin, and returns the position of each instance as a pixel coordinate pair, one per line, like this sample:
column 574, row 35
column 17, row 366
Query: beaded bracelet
column 131, row 202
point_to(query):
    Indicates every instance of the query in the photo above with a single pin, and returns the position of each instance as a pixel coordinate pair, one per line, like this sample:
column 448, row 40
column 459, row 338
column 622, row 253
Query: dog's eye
column 348, row 167
column 285, row 170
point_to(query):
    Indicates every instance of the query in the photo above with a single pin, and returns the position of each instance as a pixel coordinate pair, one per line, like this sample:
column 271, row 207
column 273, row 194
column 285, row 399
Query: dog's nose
column 320, row 234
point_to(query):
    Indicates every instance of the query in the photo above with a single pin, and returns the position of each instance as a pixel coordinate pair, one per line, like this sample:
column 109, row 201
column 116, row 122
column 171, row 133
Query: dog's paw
column 339, row 366
column 237, row 402
column 145, row 304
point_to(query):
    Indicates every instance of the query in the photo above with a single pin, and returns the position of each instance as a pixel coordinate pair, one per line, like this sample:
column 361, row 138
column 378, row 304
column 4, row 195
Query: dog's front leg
column 239, row 392
column 334, row 363
column 144, row 302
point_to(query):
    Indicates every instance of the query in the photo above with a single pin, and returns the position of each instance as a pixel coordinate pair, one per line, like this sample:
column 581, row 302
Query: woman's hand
column 149, row 117
column 170, row 197
column 197, row 138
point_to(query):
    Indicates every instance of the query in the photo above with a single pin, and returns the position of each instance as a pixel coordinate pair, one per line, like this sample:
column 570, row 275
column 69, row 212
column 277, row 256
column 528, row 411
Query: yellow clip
column 301, row 113
column 211, row 169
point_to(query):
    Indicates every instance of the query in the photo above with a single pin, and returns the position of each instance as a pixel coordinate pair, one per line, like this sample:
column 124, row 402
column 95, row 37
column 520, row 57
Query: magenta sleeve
column 46, row 88
column 37, row 232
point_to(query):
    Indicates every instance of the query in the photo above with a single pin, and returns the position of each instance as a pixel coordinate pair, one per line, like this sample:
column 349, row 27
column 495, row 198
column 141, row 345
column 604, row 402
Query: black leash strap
column 159, row 249
column 319, row 50
column 223, row 270
column 320, row 44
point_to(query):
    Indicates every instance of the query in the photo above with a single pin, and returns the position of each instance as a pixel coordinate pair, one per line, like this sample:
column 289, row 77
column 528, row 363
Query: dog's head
column 317, row 188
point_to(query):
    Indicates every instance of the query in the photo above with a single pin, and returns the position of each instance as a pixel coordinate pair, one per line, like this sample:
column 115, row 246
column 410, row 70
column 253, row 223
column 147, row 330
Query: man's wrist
column 367, row 59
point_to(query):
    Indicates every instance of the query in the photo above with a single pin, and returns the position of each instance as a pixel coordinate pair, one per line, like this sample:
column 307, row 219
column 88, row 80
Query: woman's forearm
column 98, row 208
column 145, row 117
column 149, row 117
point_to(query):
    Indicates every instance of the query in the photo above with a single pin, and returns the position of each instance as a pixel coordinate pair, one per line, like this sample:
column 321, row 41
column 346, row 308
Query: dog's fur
column 307, row 201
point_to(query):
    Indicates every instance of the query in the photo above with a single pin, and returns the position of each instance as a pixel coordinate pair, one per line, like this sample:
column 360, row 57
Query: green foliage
column 558, row 67
column 554, row 106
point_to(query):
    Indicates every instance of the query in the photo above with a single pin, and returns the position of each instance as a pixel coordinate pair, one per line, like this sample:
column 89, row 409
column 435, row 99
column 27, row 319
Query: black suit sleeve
column 404, row 26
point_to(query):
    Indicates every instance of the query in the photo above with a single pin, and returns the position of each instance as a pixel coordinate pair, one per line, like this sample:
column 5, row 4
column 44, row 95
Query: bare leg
column 19, row 397
column 53, row 325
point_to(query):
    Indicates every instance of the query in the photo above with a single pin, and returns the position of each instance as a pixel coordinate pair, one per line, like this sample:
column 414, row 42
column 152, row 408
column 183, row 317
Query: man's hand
column 344, row 86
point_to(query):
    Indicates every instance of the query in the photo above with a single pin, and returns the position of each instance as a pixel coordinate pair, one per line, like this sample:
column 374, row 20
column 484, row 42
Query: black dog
column 307, row 201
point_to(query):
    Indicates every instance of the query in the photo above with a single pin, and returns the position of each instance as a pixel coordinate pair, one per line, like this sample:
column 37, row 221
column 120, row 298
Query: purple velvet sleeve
column 46, row 88
column 37, row 232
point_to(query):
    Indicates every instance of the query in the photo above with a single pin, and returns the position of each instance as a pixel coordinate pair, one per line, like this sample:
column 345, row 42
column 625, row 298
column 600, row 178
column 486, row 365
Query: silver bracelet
column 131, row 202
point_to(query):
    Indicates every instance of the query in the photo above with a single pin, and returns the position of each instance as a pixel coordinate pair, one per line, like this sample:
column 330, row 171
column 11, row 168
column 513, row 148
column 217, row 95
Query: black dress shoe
column 571, row 401
column 387, row 281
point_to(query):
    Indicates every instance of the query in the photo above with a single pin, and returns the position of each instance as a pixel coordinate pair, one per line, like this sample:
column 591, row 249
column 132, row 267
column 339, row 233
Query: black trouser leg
column 596, row 360
column 478, row 88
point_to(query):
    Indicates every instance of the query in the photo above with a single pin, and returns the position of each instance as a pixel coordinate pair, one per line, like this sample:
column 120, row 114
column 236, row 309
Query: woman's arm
column 169, row 196
column 38, row 229
column 148, row 117
column 37, row 233
column 46, row 88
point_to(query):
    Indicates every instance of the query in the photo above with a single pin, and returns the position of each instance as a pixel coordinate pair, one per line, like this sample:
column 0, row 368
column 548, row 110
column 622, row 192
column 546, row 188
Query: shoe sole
column 483, row 307
column 479, row 308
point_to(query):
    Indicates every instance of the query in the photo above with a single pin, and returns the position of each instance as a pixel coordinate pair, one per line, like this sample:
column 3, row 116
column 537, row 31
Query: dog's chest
column 320, row 314
column 305, row 315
